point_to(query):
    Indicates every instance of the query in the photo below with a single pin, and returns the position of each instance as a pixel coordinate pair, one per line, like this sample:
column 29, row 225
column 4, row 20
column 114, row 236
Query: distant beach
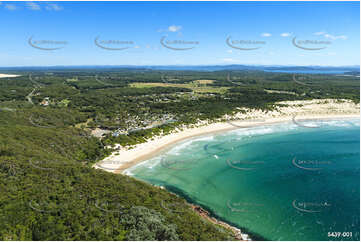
column 7, row 75
column 287, row 111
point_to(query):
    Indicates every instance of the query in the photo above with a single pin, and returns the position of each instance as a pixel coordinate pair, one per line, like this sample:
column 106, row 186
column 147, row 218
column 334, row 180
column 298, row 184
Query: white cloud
column 330, row 36
column 229, row 60
column 266, row 35
column 33, row 6
column 174, row 28
column 229, row 51
column 179, row 61
column 53, row 6
column 10, row 7
column 320, row 33
column 151, row 47
column 285, row 34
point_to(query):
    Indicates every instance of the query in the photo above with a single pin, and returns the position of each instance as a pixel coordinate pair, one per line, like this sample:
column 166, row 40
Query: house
column 45, row 102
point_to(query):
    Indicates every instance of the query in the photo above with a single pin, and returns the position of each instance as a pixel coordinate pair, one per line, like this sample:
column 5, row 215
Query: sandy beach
column 287, row 111
column 7, row 75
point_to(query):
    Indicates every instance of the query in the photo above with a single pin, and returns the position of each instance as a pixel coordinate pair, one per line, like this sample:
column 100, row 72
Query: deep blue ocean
column 310, row 71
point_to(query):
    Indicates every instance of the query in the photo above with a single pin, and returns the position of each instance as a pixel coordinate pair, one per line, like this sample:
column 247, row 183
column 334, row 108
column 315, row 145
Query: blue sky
column 324, row 33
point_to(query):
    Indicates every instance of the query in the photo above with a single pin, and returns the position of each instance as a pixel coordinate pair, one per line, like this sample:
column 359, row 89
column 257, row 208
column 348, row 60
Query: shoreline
column 207, row 215
column 210, row 216
column 238, row 234
column 124, row 159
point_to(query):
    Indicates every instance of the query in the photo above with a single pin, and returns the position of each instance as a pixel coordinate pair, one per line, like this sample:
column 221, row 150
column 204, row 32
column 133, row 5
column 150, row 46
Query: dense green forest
column 48, row 188
column 50, row 192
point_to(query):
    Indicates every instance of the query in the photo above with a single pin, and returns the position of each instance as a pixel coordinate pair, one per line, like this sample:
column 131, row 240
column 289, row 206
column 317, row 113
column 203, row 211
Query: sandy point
column 8, row 75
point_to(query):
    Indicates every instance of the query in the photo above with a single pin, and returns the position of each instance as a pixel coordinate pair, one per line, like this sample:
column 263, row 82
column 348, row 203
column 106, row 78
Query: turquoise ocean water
column 276, row 182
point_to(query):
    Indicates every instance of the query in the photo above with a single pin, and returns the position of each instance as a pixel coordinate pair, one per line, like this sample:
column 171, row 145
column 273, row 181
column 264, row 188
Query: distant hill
column 274, row 68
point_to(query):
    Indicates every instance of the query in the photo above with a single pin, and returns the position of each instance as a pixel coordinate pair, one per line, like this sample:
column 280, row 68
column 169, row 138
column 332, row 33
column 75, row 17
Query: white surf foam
column 255, row 131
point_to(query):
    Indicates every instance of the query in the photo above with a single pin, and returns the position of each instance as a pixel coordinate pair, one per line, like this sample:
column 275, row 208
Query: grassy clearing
column 204, row 81
column 281, row 92
column 192, row 85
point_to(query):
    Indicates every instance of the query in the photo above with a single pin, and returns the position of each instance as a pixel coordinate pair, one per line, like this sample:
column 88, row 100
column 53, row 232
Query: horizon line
column 182, row 65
